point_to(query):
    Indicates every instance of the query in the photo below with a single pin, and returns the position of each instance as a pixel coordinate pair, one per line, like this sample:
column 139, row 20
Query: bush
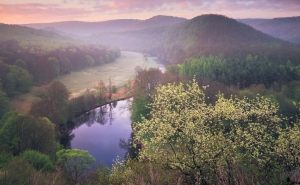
column 38, row 160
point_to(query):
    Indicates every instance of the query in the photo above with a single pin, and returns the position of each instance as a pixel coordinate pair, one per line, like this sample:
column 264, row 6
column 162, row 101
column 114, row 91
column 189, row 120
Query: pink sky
column 34, row 11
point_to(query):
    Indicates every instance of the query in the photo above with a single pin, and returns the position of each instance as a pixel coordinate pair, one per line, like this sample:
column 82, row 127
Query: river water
column 101, row 130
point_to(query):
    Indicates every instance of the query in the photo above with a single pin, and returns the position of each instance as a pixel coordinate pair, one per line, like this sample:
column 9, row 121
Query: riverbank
column 121, row 71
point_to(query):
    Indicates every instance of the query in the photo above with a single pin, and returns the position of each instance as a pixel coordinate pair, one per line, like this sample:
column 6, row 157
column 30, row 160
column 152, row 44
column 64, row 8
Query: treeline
column 241, row 72
column 31, row 145
column 45, row 67
column 31, row 154
column 20, row 68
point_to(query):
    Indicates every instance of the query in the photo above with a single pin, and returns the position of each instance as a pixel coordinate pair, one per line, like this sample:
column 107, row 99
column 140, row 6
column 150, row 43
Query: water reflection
column 131, row 150
column 100, row 130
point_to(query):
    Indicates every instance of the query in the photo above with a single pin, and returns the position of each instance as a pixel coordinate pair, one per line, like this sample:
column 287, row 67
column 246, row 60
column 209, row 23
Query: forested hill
column 203, row 36
column 36, row 40
column 29, row 56
column 218, row 35
column 88, row 28
column 284, row 28
column 157, row 21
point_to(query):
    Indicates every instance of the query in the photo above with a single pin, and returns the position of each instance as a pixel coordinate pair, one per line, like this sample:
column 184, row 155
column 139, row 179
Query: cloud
column 133, row 6
column 96, row 10
column 38, row 12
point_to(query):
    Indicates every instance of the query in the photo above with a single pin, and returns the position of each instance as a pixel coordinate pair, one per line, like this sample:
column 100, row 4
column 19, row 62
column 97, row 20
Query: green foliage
column 21, row 132
column 90, row 61
column 135, row 172
column 114, row 89
column 38, row 160
column 76, row 162
column 14, row 79
column 284, row 99
column 4, row 157
column 3, row 103
column 100, row 176
column 139, row 108
column 241, row 73
column 173, row 68
column 55, row 67
column 200, row 139
column 53, row 103
column 45, row 56
column 56, row 93
column 17, row 171
column 20, row 63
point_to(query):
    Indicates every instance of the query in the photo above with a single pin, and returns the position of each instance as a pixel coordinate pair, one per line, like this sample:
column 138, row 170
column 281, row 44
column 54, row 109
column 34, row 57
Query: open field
column 120, row 72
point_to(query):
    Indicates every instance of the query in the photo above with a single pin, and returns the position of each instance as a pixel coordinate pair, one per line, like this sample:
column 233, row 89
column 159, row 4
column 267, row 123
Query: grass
column 120, row 72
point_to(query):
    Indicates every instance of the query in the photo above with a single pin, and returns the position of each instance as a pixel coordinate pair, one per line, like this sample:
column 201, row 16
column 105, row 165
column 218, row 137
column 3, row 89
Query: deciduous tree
column 186, row 133
column 76, row 162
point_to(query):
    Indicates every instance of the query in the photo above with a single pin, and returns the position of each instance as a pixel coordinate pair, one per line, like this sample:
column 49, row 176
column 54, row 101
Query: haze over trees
column 285, row 28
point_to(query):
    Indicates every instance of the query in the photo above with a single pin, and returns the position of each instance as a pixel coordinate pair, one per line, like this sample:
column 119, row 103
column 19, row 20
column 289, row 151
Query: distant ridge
column 287, row 28
column 175, row 39
column 80, row 28
column 156, row 21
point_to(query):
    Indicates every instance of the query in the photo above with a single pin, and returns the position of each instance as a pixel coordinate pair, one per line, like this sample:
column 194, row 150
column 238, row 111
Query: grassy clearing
column 120, row 72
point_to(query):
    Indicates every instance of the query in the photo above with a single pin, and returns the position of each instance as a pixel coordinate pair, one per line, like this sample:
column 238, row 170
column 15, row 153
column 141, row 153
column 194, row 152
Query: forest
column 225, row 111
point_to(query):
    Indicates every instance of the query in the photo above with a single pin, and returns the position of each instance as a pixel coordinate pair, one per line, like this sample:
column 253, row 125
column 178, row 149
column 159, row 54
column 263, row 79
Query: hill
column 287, row 29
column 78, row 28
column 157, row 21
column 35, row 40
column 201, row 36
column 218, row 35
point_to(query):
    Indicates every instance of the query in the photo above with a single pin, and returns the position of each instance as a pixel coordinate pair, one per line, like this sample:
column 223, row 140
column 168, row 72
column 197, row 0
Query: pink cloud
column 107, row 9
column 183, row 5
column 138, row 5
column 37, row 12
column 127, row 6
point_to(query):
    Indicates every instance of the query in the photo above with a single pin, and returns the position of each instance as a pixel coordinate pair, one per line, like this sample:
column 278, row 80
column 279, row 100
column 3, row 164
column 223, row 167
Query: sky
column 37, row 11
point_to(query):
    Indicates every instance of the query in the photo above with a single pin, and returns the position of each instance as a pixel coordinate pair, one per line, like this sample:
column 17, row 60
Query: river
column 102, row 130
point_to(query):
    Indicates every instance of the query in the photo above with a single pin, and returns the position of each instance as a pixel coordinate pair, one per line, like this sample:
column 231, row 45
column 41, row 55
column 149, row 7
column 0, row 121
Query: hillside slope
column 37, row 40
column 287, row 29
column 157, row 21
column 78, row 28
column 201, row 36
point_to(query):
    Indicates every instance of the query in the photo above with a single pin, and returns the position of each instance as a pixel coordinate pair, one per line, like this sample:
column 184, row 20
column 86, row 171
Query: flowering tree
column 199, row 139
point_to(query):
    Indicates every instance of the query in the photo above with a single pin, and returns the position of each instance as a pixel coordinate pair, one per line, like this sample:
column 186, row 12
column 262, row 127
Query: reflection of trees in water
column 101, row 115
column 66, row 134
column 132, row 152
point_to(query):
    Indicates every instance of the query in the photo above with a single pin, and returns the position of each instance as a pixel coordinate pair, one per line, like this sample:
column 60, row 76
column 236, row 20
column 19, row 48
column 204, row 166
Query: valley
column 224, row 109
